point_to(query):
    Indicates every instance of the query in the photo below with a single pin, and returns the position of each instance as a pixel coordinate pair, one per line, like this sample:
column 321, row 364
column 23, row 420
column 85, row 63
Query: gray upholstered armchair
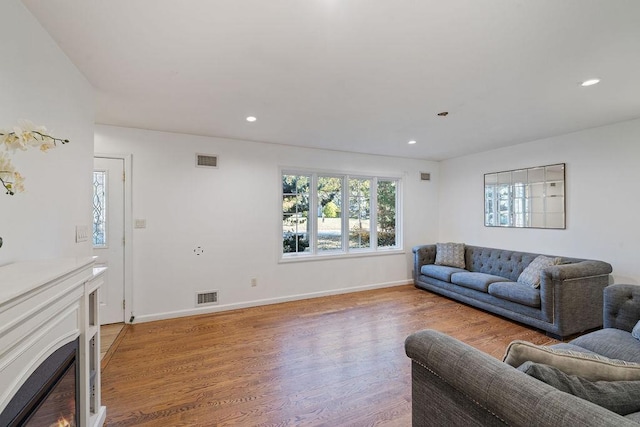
column 454, row 384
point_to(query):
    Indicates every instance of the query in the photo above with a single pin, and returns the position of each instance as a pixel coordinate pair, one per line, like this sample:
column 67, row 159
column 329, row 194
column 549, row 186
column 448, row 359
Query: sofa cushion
column 634, row 417
column 440, row 272
column 516, row 292
column 477, row 281
column 450, row 254
column 589, row 366
column 571, row 347
column 612, row 343
column 621, row 397
column 531, row 275
column 636, row 331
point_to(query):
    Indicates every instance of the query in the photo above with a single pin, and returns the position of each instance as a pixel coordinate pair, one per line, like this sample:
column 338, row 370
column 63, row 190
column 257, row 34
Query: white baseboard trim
column 235, row 306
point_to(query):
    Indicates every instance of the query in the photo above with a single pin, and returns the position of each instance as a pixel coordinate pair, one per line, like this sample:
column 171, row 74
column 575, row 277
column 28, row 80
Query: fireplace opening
column 49, row 397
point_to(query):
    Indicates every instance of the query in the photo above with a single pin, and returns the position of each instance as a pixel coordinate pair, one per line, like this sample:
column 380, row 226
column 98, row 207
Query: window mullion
column 313, row 214
column 399, row 216
column 345, row 213
column 373, row 214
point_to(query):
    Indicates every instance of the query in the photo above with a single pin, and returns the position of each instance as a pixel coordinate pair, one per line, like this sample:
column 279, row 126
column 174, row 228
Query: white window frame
column 373, row 249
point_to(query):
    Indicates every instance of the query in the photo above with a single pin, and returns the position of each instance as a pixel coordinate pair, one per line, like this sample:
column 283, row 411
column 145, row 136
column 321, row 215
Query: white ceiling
column 356, row 75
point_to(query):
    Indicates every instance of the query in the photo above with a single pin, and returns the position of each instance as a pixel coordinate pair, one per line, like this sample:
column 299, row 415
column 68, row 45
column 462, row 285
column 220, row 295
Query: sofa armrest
column 621, row 306
column 578, row 270
column 455, row 384
column 422, row 255
column 572, row 295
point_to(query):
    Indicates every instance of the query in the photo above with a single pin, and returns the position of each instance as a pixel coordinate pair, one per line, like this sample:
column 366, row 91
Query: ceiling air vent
column 206, row 161
column 206, row 298
column 425, row 176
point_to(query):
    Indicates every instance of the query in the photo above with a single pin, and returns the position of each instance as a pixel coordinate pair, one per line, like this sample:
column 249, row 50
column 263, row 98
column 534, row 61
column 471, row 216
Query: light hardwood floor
column 108, row 336
column 331, row 361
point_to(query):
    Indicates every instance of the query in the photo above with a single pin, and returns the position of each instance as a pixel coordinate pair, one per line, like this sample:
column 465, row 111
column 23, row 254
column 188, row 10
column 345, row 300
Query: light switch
column 140, row 223
column 82, row 233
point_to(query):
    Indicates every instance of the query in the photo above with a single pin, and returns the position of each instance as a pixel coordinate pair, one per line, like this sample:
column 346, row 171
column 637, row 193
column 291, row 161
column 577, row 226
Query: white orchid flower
column 21, row 137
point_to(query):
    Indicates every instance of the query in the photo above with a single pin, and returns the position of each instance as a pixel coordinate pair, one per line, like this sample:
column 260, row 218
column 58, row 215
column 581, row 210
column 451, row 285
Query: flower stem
column 9, row 191
column 62, row 141
column 43, row 136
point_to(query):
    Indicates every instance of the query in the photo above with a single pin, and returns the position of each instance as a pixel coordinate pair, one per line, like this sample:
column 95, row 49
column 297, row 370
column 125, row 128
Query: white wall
column 233, row 213
column 602, row 197
column 40, row 84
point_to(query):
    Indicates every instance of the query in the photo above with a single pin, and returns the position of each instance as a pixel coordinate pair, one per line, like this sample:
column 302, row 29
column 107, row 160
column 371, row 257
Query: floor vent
column 206, row 161
column 206, row 298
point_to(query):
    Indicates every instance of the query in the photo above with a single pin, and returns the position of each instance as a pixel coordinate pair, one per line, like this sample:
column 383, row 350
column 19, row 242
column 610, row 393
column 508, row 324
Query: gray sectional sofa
column 568, row 300
column 454, row 384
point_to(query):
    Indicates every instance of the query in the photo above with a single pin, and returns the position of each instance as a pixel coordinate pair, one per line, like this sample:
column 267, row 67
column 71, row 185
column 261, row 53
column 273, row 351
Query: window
column 99, row 209
column 387, row 207
column 359, row 213
column 295, row 213
column 329, row 214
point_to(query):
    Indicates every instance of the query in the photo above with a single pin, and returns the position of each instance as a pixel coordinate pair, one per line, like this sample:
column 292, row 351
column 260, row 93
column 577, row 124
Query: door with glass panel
column 108, row 234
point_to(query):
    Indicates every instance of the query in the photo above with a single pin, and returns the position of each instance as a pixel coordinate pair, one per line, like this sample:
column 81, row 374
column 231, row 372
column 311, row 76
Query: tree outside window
column 330, row 213
column 359, row 213
column 386, row 213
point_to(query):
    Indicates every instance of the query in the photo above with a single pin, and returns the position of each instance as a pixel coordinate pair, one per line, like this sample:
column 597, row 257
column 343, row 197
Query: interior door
column 108, row 234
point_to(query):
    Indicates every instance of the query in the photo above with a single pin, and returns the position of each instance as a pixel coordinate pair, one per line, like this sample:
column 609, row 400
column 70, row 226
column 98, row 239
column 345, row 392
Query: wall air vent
column 425, row 176
column 206, row 298
column 206, row 161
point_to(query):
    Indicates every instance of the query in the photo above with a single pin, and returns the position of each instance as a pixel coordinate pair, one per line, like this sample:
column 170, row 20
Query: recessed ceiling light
column 412, row 142
column 251, row 119
column 590, row 82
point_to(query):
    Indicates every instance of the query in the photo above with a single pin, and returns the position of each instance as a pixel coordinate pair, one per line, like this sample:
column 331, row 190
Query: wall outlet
column 82, row 233
column 254, row 282
column 140, row 223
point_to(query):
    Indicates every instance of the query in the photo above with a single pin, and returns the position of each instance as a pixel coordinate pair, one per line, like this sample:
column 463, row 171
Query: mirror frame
column 532, row 197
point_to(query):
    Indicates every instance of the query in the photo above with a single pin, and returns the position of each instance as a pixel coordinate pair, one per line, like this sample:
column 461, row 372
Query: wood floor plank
column 328, row 361
column 110, row 337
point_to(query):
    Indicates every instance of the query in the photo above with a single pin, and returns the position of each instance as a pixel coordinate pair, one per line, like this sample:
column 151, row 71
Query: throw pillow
column 621, row 397
column 636, row 331
column 531, row 275
column 591, row 367
column 450, row 254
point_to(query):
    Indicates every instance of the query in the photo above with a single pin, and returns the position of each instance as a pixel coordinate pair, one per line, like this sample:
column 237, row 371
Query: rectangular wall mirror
column 527, row 198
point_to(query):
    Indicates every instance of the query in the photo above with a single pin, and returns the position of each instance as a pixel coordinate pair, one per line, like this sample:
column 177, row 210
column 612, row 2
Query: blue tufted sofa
column 568, row 301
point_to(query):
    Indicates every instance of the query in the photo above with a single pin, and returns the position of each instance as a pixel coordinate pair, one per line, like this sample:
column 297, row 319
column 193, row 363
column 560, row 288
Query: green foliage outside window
column 295, row 212
column 331, row 210
column 386, row 213
column 359, row 213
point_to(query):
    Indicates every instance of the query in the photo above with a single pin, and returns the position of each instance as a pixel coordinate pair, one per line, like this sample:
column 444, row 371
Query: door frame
column 128, row 232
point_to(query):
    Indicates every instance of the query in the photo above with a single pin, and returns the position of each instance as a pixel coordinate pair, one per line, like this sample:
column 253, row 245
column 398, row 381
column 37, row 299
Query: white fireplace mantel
column 43, row 306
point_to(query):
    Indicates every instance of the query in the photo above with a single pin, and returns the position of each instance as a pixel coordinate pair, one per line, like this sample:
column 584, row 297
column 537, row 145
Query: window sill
column 339, row 255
